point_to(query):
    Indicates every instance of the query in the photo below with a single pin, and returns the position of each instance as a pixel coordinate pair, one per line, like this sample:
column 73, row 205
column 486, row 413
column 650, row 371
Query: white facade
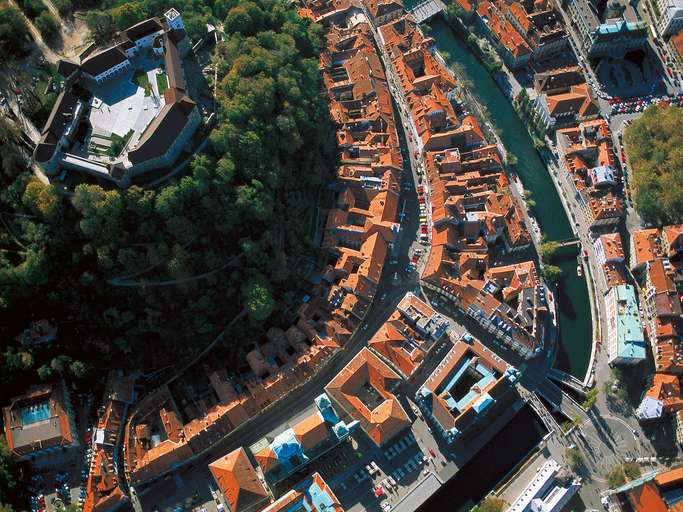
column 600, row 253
column 111, row 72
column 671, row 16
column 544, row 493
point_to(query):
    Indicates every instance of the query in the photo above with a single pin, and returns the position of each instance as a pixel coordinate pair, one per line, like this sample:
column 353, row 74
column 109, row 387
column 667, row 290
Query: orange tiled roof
column 646, row 498
column 677, row 42
column 645, row 245
column 673, row 476
column 311, row 431
column 60, row 435
column 238, row 481
column 266, row 458
column 672, row 236
column 368, row 377
column 657, row 275
column 611, row 244
column 578, row 100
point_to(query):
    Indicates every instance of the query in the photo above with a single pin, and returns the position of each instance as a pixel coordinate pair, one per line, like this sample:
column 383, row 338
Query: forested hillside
column 654, row 145
column 145, row 278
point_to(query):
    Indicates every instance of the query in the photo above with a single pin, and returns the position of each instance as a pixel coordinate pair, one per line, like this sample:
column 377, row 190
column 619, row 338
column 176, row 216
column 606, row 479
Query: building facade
column 670, row 19
column 625, row 340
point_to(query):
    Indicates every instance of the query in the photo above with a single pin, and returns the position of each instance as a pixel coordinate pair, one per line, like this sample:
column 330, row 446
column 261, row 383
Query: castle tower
column 174, row 19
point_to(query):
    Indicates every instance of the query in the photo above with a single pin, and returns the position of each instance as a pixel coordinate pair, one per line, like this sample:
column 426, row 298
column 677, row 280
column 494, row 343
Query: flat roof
column 419, row 494
column 629, row 331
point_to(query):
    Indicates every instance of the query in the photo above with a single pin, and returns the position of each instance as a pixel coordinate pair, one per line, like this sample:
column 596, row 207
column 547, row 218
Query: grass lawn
column 118, row 143
column 141, row 79
column 162, row 82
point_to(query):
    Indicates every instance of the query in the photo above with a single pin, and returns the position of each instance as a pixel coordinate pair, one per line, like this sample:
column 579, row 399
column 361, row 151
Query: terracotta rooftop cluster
column 657, row 262
column 523, row 29
column 651, row 494
column 159, row 435
column 361, row 227
column 657, row 259
column 588, row 157
column 406, row 338
column 103, row 491
column 243, row 488
column 472, row 209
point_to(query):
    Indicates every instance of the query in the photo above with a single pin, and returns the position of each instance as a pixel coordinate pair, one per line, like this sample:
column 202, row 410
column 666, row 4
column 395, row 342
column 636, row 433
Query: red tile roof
column 367, row 378
column 238, row 481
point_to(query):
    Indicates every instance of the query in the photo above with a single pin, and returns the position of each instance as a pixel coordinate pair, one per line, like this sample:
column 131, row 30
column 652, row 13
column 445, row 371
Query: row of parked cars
column 640, row 103
column 424, row 226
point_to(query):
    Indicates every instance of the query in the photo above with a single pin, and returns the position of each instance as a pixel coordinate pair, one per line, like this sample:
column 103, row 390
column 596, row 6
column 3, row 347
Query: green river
column 573, row 351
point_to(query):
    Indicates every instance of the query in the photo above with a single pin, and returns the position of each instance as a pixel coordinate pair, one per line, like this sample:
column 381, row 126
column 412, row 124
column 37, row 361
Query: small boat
column 579, row 270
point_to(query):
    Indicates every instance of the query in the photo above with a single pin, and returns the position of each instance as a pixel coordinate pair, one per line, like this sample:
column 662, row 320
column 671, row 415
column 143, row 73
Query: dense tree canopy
column 113, row 15
column 13, row 33
column 12, row 485
column 654, row 145
column 123, row 272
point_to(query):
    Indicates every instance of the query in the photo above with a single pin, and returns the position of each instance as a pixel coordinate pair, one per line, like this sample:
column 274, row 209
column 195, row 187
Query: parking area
column 366, row 477
column 59, row 477
column 636, row 104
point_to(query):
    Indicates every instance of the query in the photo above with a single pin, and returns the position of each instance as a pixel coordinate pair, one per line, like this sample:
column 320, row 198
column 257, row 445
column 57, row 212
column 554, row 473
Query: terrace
column 121, row 109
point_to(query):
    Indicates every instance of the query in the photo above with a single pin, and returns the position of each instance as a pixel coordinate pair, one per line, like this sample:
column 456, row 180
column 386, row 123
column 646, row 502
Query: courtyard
column 122, row 108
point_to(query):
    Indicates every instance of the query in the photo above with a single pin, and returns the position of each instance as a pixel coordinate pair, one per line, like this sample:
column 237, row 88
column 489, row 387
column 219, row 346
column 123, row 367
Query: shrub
column 63, row 6
column 48, row 27
column 32, row 8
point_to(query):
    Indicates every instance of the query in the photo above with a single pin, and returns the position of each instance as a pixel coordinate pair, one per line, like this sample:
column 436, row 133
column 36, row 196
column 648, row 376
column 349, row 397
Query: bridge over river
column 425, row 9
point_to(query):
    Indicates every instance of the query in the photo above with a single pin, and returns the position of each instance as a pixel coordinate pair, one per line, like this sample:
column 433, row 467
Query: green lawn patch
column 162, row 83
column 140, row 78
column 118, row 143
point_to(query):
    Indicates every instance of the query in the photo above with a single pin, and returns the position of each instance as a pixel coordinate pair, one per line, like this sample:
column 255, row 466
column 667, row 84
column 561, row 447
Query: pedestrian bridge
column 567, row 380
column 426, row 9
column 569, row 242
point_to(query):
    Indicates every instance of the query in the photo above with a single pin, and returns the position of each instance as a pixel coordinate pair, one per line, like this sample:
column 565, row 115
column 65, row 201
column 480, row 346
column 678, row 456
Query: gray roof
column 144, row 28
column 104, row 60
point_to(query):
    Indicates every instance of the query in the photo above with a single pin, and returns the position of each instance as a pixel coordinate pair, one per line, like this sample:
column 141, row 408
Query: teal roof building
column 625, row 339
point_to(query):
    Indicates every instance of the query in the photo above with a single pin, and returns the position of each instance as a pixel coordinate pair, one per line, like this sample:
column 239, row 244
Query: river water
column 573, row 351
